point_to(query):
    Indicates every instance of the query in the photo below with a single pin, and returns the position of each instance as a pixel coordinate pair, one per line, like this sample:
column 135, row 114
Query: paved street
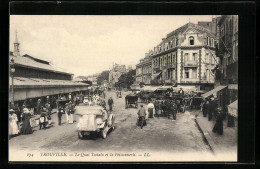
column 160, row 135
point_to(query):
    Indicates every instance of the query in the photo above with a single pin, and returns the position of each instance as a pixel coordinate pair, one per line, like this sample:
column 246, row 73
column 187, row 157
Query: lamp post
column 12, row 70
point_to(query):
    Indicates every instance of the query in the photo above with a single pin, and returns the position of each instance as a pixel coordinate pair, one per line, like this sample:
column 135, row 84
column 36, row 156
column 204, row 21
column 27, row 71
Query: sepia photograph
column 123, row 88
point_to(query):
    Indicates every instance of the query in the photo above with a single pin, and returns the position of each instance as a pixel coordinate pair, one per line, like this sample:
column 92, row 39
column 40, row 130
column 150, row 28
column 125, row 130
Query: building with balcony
column 228, row 48
column 227, row 52
column 186, row 57
column 144, row 69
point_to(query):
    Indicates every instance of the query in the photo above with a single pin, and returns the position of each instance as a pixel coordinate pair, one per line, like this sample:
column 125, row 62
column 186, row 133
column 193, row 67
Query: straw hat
column 11, row 110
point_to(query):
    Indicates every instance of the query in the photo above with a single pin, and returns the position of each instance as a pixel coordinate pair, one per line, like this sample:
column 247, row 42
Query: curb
column 206, row 137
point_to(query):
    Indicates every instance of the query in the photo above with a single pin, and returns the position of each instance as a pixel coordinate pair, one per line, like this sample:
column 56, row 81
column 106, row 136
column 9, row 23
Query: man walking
column 60, row 112
column 141, row 115
column 110, row 103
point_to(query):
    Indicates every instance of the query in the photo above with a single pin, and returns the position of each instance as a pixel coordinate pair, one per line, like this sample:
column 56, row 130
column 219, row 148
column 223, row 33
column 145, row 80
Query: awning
column 157, row 74
column 233, row 86
column 214, row 91
column 164, row 88
column 232, row 108
column 149, row 88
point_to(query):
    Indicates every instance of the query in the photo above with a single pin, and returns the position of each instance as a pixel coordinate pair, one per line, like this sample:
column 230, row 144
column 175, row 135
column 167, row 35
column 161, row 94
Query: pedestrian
column 38, row 106
column 66, row 112
column 141, row 116
column 150, row 109
column 156, row 106
column 110, row 103
column 174, row 110
column 218, row 127
column 181, row 93
column 71, row 112
column 26, row 127
column 13, row 126
column 212, row 108
column 17, row 111
column 43, row 118
column 205, row 108
column 60, row 112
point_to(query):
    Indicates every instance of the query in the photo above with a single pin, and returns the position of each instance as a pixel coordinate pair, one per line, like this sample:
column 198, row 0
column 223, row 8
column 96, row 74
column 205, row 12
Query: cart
column 131, row 100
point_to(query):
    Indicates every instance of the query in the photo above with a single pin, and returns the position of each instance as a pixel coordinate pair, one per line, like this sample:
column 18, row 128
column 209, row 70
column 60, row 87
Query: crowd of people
column 211, row 110
column 170, row 107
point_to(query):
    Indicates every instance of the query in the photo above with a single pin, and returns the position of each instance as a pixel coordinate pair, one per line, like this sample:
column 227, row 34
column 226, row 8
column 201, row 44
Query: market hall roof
column 35, row 63
column 22, row 82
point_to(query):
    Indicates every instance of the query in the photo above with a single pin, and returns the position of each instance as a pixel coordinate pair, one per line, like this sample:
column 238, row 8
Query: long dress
column 26, row 127
column 13, row 127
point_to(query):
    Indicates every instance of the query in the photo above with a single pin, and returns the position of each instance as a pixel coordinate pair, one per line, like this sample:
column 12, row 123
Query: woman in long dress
column 26, row 127
column 13, row 127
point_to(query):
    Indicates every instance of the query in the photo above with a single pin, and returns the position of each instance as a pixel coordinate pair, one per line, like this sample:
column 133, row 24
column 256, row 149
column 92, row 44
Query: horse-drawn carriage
column 131, row 100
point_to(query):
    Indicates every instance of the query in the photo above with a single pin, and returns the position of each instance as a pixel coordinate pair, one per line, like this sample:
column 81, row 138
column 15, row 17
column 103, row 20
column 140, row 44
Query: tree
column 103, row 76
column 126, row 80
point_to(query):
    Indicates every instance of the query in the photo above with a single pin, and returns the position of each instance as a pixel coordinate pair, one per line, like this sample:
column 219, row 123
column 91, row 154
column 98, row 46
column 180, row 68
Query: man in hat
column 110, row 103
column 141, row 115
column 70, row 112
column 43, row 118
column 39, row 106
column 60, row 112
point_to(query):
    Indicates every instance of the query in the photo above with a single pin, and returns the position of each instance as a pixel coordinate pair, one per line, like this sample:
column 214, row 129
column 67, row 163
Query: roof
column 31, row 62
column 214, row 91
column 131, row 95
column 89, row 110
column 22, row 82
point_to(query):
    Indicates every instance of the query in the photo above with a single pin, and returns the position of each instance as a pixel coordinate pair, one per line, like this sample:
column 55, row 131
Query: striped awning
column 214, row 91
column 232, row 108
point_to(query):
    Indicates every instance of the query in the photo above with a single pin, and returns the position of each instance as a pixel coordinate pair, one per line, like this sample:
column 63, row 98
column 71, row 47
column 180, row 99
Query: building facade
column 115, row 73
column 228, row 53
column 228, row 48
column 186, row 56
column 35, row 78
column 144, row 69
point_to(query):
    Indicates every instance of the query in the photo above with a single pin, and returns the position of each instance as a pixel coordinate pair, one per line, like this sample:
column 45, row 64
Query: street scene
column 173, row 102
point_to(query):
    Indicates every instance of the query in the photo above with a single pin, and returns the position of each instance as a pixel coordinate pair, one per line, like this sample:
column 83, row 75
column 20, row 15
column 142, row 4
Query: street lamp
column 12, row 71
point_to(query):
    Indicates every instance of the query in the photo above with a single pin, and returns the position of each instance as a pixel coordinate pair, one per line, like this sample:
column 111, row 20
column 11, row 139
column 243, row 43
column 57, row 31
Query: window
column 186, row 73
column 191, row 40
column 194, row 73
column 177, row 42
column 194, row 56
column 186, row 56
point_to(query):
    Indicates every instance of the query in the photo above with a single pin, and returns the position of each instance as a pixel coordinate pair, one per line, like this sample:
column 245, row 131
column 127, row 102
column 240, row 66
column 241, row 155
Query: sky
column 88, row 44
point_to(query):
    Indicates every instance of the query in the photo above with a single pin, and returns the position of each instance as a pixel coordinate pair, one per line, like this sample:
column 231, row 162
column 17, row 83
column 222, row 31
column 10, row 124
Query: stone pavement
column 218, row 143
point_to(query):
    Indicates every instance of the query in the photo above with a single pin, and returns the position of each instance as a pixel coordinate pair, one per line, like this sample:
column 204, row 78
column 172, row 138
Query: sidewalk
column 218, row 143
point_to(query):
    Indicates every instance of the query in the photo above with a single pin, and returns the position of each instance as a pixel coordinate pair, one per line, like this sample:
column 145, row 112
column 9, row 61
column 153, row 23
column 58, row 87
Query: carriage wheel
column 104, row 133
column 80, row 134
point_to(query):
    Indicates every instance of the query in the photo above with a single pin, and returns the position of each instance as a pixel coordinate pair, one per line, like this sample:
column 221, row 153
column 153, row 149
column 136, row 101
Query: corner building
column 186, row 57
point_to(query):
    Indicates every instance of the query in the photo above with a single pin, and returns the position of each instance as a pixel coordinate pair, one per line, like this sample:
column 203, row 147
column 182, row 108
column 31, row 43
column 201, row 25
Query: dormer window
column 191, row 40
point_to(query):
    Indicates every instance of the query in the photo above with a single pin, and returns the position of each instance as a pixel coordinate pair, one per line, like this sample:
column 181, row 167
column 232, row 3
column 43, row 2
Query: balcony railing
column 156, row 68
column 190, row 63
column 171, row 65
